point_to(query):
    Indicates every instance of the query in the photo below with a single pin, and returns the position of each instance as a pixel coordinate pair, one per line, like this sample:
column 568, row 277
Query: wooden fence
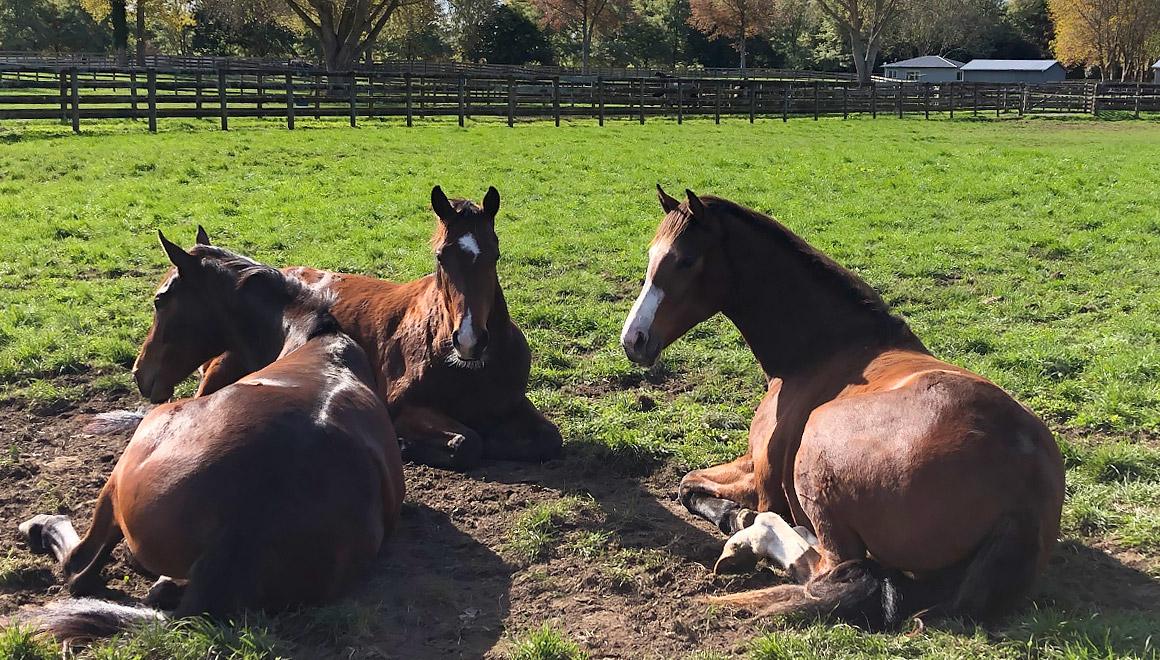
column 75, row 94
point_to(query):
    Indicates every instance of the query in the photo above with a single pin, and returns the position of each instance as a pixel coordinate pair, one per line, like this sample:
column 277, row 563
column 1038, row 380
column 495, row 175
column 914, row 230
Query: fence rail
column 73, row 94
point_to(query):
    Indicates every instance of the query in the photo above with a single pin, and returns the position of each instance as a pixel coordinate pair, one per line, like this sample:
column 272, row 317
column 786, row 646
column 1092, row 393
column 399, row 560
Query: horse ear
column 695, row 205
column 202, row 236
column 667, row 203
column 184, row 261
column 491, row 202
column 442, row 206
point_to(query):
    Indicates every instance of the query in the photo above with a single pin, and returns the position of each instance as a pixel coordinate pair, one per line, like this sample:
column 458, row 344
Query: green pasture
column 1027, row 250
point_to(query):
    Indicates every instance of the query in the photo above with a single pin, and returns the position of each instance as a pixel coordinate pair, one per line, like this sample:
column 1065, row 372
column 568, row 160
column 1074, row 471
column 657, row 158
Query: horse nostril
column 482, row 343
column 455, row 339
column 639, row 342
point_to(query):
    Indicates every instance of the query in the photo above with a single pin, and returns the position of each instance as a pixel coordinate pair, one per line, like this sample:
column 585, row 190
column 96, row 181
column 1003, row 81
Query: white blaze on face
column 469, row 245
column 644, row 311
column 466, row 333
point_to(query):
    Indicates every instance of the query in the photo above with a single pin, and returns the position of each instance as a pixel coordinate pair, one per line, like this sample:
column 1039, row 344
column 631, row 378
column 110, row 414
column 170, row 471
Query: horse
column 277, row 490
column 449, row 361
column 886, row 482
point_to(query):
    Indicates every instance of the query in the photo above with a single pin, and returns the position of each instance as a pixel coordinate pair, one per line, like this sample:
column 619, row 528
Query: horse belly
column 921, row 481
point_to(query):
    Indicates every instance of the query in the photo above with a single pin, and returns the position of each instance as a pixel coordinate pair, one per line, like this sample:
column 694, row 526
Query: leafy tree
column 736, row 20
column 43, row 25
column 466, row 19
column 414, row 33
column 116, row 11
column 1113, row 35
column 960, row 29
column 863, row 24
column 508, row 37
column 247, row 33
column 586, row 17
column 1029, row 22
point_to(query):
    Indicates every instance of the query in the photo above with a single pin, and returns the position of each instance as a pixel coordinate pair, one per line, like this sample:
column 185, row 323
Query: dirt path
column 618, row 565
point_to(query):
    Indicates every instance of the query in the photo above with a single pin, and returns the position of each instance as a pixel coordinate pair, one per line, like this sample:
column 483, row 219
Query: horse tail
column 114, row 422
column 85, row 619
column 863, row 592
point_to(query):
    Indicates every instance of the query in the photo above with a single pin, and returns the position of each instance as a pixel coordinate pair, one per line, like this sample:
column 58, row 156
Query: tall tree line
column 1114, row 38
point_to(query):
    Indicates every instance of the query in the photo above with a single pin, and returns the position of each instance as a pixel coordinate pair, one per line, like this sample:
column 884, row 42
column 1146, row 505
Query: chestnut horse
column 277, row 490
column 448, row 360
column 912, row 483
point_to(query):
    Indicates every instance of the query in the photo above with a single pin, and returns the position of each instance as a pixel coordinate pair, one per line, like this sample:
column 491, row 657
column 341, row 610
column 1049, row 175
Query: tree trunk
column 743, row 26
column 120, row 19
column 585, row 44
column 140, row 32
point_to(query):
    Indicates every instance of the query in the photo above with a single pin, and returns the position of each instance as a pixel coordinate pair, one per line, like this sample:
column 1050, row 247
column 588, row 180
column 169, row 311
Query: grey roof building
column 928, row 68
column 1013, row 71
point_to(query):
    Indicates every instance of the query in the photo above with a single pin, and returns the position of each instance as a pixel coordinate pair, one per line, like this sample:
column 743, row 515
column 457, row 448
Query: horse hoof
column 33, row 532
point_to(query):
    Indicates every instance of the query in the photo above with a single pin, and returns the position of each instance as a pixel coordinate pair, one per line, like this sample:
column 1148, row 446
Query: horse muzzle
column 147, row 386
column 640, row 348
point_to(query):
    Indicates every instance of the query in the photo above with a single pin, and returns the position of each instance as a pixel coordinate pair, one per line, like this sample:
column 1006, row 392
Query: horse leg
column 523, row 435
column 770, row 537
column 223, row 370
column 429, row 437
column 80, row 559
column 724, row 494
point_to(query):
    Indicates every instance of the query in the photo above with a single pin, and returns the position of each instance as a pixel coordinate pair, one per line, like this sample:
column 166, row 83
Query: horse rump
column 79, row 620
column 864, row 593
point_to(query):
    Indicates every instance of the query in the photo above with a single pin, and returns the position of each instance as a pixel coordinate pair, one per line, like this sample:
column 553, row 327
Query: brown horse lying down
column 450, row 363
column 913, row 483
column 276, row 490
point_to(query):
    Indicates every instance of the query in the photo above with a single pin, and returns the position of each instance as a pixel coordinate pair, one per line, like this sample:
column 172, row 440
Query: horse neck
column 260, row 335
column 795, row 311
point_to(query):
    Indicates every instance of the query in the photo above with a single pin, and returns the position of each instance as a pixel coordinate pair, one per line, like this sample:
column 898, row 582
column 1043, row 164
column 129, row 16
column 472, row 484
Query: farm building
column 1012, row 71
column 929, row 68
column 1156, row 71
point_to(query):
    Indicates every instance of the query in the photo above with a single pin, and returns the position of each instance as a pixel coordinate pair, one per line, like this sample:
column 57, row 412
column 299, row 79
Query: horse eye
column 686, row 262
column 159, row 300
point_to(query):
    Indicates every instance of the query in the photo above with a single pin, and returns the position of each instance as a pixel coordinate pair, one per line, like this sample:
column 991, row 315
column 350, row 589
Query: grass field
column 1026, row 250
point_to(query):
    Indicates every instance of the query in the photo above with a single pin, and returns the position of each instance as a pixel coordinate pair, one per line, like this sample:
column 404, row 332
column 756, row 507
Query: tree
column 244, row 32
column 863, row 23
column 586, row 16
column 1030, row 23
column 117, row 13
column 1113, row 35
column 466, row 19
column 737, row 20
column 45, row 25
column 509, row 37
column 954, row 28
column 413, row 33
column 345, row 28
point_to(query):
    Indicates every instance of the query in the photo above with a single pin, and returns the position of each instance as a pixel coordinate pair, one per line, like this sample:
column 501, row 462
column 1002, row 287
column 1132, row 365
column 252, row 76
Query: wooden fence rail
column 73, row 94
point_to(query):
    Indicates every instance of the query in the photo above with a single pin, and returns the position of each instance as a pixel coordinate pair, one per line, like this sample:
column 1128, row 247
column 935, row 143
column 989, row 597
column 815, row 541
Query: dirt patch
column 623, row 574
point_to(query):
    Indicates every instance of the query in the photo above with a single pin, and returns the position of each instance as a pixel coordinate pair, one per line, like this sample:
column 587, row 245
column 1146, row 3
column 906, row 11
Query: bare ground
column 449, row 584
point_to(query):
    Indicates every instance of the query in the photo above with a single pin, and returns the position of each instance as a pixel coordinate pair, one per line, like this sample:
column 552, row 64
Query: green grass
column 545, row 643
column 537, row 530
column 1028, row 251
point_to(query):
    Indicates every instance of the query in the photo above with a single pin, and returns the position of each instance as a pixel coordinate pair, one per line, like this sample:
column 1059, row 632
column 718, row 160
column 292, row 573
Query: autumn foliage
column 1113, row 35
column 736, row 20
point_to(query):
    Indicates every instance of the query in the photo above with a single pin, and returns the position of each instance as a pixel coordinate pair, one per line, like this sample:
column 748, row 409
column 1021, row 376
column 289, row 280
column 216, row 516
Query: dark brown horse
column 276, row 490
column 912, row 483
column 450, row 363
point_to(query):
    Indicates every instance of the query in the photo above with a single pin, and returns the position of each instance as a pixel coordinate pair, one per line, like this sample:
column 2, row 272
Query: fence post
column 290, row 101
column 845, row 101
column 1137, row 113
column 151, row 78
column 261, row 89
column 461, row 104
column 717, row 102
column 1095, row 100
column 63, row 98
column 898, row 92
column 642, row 100
column 600, row 96
column 197, row 92
column 954, row 97
column 407, row 80
column 975, row 95
column 422, row 99
column 556, row 99
column 1003, row 93
column 926, row 100
column 76, row 100
column 680, row 102
column 751, row 86
column 785, row 97
column 817, row 100
column 511, row 102
column 353, row 100
column 133, row 93
column 317, row 96
column 873, row 100
column 225, row 113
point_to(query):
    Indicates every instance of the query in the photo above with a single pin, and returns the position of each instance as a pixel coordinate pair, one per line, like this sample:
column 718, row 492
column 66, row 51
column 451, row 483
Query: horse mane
column 843, row 281
column 239, row 268
column 460, row 206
